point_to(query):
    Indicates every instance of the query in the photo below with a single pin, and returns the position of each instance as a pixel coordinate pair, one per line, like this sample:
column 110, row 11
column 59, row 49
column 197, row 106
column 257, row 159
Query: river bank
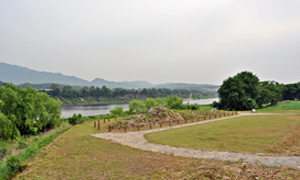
column 97, row 109
column 82, row 102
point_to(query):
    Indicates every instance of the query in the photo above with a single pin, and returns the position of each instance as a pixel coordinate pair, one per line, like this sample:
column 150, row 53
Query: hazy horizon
column 193, row 41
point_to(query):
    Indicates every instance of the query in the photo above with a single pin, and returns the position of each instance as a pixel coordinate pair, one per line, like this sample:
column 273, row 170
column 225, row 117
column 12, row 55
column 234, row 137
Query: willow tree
column 27, row 110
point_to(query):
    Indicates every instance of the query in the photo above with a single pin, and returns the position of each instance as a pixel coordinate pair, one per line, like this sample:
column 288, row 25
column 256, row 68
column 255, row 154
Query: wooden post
column 123, row 116
column 185, row 120
column 98, row 124
column 104, row 121
column 198, row 118
column 215, row 115
column 139, row 127
column 220, row 115
column 108, row 119
column 150, row 124
column 224, row 114
column 209, row 116
column 192, row 119
column 115, row 117
column 170, row 123
column 94, row 124
column 125, row 128
column 109, row 128
column 160, row 124
column 235, row 112
column 204, row 117
column 178, row 121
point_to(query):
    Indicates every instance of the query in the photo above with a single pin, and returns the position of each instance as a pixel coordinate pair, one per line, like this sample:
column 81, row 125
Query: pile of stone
column 153, row 115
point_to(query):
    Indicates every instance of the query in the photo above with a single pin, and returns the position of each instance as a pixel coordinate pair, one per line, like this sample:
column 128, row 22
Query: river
column 89, row 110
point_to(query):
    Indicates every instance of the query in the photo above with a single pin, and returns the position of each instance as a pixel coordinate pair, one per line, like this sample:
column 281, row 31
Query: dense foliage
column 96, row 93
column 137, row 106
column 245, row 92
column 239, row 92
column 26, row 111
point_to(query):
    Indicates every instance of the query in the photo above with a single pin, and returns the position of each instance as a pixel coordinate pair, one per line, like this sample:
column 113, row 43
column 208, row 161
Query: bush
column 14, row 163
column 3, row 149
column 117, row 111
column 75, row 119
column 136, row 106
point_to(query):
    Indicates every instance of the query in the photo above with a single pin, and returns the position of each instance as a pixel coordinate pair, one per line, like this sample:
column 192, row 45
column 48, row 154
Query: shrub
column 117, row 111
column 14, row 163
column 3, row 149
column 75, row 119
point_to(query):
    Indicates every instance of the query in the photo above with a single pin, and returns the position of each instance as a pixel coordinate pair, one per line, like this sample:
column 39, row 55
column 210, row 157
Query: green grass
column 77, row 155
column 284, row 106
column 7, row 173
column 276, row 134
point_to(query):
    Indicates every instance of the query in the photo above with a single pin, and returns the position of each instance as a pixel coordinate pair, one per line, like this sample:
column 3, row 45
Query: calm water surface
column 89, row 110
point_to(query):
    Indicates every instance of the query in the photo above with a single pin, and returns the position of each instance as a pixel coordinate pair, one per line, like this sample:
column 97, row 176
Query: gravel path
column 137, row 140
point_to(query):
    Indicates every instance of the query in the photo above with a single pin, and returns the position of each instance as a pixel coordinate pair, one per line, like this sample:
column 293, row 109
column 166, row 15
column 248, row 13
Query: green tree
column 150, row 102
column 136, row 106
column 239, row 92
column 28, row 109
column 117, row 111
column 270, row 92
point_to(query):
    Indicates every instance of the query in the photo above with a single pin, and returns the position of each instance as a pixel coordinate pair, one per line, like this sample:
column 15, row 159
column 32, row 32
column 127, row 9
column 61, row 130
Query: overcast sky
column 200, row 41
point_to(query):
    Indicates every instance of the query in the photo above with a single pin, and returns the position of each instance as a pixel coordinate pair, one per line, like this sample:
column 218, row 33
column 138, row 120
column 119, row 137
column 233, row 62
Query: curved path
column 137, row 140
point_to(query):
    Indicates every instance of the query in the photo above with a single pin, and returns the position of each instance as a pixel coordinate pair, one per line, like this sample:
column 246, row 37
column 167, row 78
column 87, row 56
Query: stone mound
column 153, row 115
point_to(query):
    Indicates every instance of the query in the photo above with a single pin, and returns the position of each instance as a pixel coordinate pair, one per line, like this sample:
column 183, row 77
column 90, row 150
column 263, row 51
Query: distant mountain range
column 20, row 75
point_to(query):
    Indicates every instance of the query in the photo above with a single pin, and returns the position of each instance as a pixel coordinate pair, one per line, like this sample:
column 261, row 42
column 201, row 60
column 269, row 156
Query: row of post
column 160, row 123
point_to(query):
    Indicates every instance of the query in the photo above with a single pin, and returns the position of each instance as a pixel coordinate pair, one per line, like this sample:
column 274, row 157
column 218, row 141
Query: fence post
column 150, row 125
column 160, row 124
column 125, row 128
column 192, row 119
column 235, row 112
column 204, row 117
column 170, row 122
column 104, row 120
column 209, row 116
column 115, row 117
column 94, row 124
column 185, row 120
column 138, row 126
column 109, row 128
column 178, row 121
column 198, row 118
column 108, row 119
column 98, row 124
column 224, row 114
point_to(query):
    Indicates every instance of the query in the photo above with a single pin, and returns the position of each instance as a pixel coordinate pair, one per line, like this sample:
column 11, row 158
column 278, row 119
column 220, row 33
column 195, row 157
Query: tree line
column 244, row 92
column 72, row 92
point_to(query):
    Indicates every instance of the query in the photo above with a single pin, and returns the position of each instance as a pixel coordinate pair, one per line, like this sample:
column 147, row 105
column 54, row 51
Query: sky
column 159, row 41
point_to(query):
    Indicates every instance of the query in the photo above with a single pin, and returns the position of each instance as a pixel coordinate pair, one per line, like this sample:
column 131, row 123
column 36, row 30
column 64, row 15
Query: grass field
column 77, row 155
column 283, row 107
column 272, row 134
